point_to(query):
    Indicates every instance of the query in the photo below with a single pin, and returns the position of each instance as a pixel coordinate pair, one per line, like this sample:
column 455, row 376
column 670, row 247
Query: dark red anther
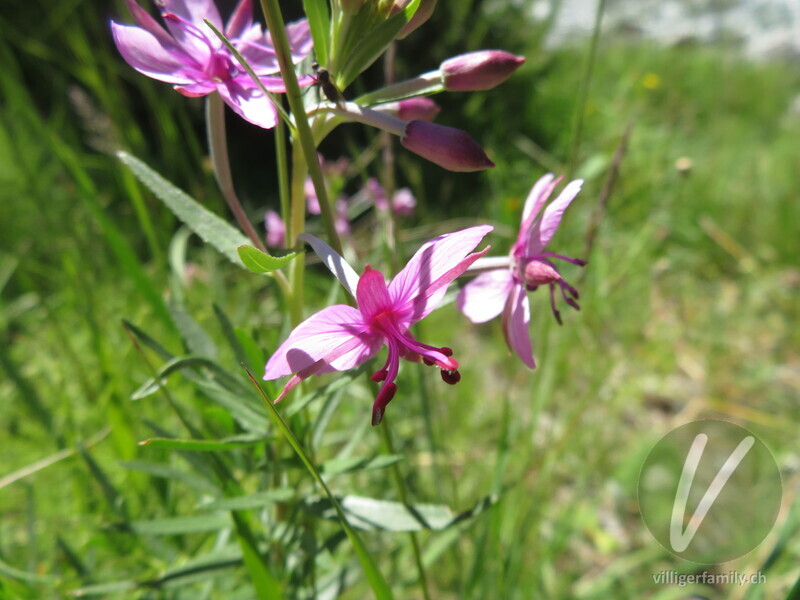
column 446, row 351
column 384, row 397
column 379, row 375
column 451, row 377
column 428, row 361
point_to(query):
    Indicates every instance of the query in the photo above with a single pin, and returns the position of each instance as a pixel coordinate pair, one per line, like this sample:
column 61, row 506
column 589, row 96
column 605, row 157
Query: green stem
column 218, row 147
column 423, row 85
column 387, row 167
column 283, row 169
column 583, row 94
column 275, row 24
column 294, row 227
column 403, row 495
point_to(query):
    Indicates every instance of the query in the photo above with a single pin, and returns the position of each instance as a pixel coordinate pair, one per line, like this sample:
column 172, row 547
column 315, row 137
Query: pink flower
column 403, row 201
column 341, row 337
column 190, row 56
column 276, row 229
column 528, row 266
column 341, row 222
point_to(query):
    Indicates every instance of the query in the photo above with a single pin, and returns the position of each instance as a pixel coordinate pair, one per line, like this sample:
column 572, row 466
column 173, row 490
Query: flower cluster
column 187, row 53
column 190, row 56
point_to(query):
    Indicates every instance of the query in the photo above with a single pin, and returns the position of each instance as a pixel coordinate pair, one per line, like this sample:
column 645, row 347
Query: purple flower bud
column 423, row 13
column 481, row 70
column 450, row 148
column 421, row 108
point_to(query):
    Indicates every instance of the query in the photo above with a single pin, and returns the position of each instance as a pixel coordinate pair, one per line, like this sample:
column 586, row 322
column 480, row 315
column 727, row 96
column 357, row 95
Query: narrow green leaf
column 203, row 445
column 261, row 262
column 197, row 341
column 320, row 26
column 376, row 579
column 264, row 582
column 213, row 374
column 211, row 228
column 257, row 500
column 165, row 471
column 230, row 334
column 203, row 567
column 14, row 573
column 148, row 341
column 338, row 466
column 116, row 502
column 181, row 525
column 103, row 589
column 374, row 44
column 384, row 515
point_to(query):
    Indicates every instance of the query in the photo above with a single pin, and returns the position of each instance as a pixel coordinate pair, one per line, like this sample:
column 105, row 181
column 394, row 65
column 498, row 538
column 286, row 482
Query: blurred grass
column 688, row 310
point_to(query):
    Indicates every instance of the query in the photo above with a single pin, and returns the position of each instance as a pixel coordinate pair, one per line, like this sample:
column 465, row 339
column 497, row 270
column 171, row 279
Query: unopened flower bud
column 423, row 13
column 421, row 108
column 481, row 70
column 450, row 148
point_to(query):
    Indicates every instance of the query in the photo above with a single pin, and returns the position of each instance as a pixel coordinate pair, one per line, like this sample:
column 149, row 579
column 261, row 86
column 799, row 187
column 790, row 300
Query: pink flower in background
column 276, row 229
column 528, row 266
column 190, row 56
column 341, row 337
column 403, row 201
column 341, row 222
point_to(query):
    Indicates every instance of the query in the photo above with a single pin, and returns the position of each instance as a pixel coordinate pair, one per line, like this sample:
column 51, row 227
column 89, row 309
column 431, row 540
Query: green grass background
column 689, row 310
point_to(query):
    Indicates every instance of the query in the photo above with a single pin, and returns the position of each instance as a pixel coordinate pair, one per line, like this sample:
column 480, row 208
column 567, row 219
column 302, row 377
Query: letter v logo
column 680, row 538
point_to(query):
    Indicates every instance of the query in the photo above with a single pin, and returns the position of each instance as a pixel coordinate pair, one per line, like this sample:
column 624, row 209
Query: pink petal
column 193, row 11
column 335, row 337
column 249, row 103
column 544, row 229
column 240, row 20
column 538, row 195
column 148, row 23
column 483, row 298
column 300, row 41
column 421, row 285
column 371, row 294
column 516, row 319
column 259, row 54
column 145, row 53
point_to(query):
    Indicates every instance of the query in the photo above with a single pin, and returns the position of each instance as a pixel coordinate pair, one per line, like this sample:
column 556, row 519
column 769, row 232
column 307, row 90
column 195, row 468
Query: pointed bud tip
column 448, row 147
